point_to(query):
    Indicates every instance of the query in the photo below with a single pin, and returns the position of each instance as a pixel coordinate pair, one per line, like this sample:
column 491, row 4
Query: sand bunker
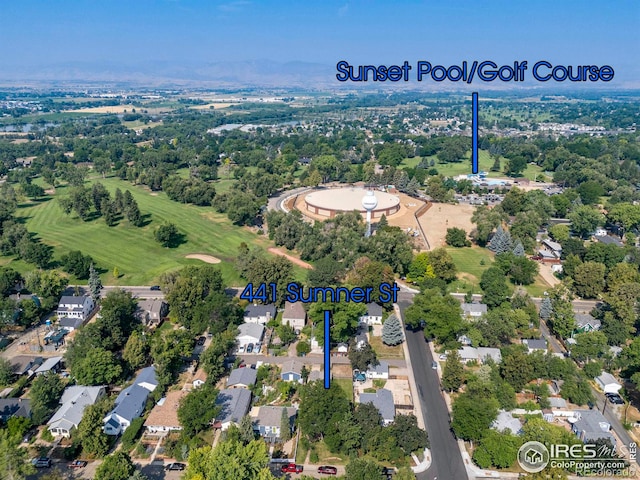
column 204, row 258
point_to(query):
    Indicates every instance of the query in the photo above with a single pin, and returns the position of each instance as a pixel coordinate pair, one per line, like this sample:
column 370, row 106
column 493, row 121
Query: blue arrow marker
column 474, row 134
column 327, row 349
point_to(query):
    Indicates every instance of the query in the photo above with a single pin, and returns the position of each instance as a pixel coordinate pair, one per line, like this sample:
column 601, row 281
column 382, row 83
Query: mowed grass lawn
column 139, row 258
column 471, row 263
column 463, row 168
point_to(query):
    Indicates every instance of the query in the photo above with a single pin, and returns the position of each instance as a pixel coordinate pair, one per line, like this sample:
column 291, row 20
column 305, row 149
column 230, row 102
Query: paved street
column 446, row 459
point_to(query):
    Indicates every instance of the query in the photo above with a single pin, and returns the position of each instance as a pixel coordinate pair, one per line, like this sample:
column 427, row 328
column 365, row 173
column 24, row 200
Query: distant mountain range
column 248, row 74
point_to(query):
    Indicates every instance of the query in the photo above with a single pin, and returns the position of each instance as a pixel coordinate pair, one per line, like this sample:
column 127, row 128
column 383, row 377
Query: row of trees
column 97, row 201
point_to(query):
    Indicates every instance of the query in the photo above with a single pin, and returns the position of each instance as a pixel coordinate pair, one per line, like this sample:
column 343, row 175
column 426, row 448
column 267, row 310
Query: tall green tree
column 392, row 333
column 95, row 284
column 45, row 393
column 117, row 466
column 230, row 460
column 453, row 372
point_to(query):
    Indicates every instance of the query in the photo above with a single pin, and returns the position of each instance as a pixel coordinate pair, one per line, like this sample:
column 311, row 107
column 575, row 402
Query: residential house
column 72, row 404
column 242, row 378
column 473, row 310
column 549, row 247
column 608, row 383
column 260, row 314
column 291, row 371
column 234, row 403
column 199, row 378
column 534, row 344
column 342, row 349
column 130, row 402
column 379, row 371
column 361, row 339
column 465, row 340
column 480, row 354
column 294, row 315
column 52, row 364
column 600, row 232
column 75, row 307
column 250, row 333
column 163, row 418
column 383, row 401
column 591, row 425
column 54, row 340
column 25, row 364
column 505, row 421
column 373, row 316
column 586, row 323
column 152, row 311
column 609, row 240
column 557, row 402
column 14, row 407
column 267, row 421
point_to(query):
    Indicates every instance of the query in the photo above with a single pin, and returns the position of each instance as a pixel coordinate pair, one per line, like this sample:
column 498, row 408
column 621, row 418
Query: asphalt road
column 446, row 459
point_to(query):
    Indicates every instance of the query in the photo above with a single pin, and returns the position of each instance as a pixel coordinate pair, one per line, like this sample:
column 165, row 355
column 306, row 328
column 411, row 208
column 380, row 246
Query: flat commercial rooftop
column 348, row 199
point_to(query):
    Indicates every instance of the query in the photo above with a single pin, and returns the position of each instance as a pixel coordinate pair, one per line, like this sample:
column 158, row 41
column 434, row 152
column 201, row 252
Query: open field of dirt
column 291, row 258
column 441, row 216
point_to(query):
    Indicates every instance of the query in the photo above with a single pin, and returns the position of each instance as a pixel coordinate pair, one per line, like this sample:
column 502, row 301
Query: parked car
column 250, row 348
column 434, row 365
column 241, row 349
column 291, row 468
column 442, row 356
column 42, row 462
column 155, row 288
column 328, row 469
column 201, row 340
column 175, row 466
column 78, row 464
column 615, row 398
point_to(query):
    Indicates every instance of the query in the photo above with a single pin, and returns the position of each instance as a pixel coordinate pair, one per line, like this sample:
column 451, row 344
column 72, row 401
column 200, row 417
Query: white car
column 241, row 349
column 442, row 356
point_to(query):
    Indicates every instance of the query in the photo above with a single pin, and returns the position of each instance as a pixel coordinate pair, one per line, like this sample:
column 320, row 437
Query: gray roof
column 292, row 366
column 553, row 245
column 488, row 352
column 242, row 376
column 48, row 364
column 609, row 240
column 72, row 300
column 294, row 310
column 74, row 400
column 235, row 404
column 535, row 343
column 271, row 416
column 374, row 310
column 254, row 330
column 15, row 407
column 68, row 322
column 584, row 319
column 605, row 378
column 470, row 308
column 592, row 425
column 130, row 403
column 383, row 401
column 505, row 420
column 382, row 367
column 557, row 402
column 260, row 311
column 147, row 375
column 21, row 364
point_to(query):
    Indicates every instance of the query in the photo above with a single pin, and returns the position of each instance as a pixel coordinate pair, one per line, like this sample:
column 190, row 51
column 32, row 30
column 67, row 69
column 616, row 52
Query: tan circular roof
column 348, row 199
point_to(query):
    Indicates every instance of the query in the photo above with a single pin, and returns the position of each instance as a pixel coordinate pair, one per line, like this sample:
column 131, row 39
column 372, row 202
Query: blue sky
column 42, row 32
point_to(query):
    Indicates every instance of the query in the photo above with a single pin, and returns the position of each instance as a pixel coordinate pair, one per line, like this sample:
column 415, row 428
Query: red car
column 291, row 468
column 329, row 470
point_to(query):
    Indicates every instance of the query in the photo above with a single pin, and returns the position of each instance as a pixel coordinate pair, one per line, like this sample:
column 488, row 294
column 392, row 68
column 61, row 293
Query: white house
column 608, row 383
column 294, row 315
column 75, row 307
column 249, row 333
column 73, row 402
column 480, row 354
column 130, row 402
column 242, row 378
column 473, row 310
column 373, row 316
column 267, row 421
column 379, row 371
column 164, row 416
column 259, row 313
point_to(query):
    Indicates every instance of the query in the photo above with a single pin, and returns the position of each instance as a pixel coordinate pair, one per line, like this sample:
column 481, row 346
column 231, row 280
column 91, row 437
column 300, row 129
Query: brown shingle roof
column 166, row 415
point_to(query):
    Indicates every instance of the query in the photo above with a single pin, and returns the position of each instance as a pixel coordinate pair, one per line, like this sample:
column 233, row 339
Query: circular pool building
column 328, row 202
